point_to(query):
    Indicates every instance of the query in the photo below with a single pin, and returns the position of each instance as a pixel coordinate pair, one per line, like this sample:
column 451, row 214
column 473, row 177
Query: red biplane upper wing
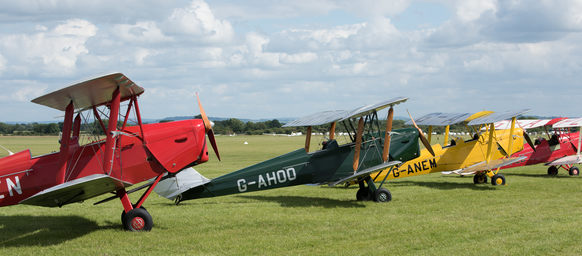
column 90, row 93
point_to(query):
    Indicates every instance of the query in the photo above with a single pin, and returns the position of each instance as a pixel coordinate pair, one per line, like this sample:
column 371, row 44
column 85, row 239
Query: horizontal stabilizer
column 184, row 180
column 481, row 166
column 365, row 172
column 75, row 191
column 573, row 159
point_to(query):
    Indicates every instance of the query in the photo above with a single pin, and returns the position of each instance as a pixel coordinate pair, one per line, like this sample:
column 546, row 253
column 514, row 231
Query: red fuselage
column 164, row 147
column 547, row 150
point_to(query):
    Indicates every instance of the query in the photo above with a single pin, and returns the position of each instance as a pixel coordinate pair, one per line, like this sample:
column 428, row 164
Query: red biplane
column 560, row 143
column 123, row 156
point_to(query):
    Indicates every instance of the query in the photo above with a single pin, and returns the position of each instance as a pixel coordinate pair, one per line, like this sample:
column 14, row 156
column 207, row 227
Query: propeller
column 359, row 134
column 425, row 142
column 208, row 128
column 527, row 138
column 387, row 136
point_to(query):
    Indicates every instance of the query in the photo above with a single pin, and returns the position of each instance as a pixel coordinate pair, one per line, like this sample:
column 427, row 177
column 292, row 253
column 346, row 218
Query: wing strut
column 332, row 131
column 308, row 139
column 490, row 145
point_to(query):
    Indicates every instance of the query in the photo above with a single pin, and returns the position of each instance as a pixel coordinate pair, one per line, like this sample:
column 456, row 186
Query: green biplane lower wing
column 365, row 172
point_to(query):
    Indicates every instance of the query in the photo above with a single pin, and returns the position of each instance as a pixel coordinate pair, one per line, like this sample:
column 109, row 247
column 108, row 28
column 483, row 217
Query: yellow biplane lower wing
column 482, row 166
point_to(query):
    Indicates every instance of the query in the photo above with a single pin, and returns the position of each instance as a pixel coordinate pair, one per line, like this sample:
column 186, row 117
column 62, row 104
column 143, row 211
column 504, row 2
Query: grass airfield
column 432, row 214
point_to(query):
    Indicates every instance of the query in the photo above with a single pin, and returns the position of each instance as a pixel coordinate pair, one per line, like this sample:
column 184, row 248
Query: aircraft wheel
column 137, row 219
column 480, row 178
column 574, row 171
column 552, row 170
column 497, row 179
column 383, row 196
column 363, row 194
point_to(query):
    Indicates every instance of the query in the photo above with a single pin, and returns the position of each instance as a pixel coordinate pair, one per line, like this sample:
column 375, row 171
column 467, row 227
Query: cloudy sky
column 268, row 59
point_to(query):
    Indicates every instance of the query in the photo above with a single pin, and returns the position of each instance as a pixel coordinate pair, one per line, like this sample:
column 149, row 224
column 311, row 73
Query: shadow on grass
column 542, row 175
column 23, row 230
column 443, row 185
column 301, row 201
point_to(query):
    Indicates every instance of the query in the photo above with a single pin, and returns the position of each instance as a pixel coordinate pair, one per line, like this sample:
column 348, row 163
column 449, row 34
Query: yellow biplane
column 483, row 154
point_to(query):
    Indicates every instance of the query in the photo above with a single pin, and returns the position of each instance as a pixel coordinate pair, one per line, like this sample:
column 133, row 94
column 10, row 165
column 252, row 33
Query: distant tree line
column 226, row 127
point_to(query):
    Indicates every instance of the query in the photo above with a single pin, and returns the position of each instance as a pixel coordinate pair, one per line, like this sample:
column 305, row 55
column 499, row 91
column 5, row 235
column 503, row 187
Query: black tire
column 573, row 171
column 383, row 196
column 137, row 219
column 363, row 194
column 552, row 170
column 480, row 178
column 497, row 179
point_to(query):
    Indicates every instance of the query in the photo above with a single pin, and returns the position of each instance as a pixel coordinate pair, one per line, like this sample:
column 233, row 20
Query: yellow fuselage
column 454, row 157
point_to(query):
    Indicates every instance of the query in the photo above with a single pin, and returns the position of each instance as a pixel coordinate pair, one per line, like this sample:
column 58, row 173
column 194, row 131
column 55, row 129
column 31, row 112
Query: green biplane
column 370, row 149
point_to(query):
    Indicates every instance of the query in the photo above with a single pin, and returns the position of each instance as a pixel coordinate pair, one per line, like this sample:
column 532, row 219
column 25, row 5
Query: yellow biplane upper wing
column 493, row 164
column 497, row 116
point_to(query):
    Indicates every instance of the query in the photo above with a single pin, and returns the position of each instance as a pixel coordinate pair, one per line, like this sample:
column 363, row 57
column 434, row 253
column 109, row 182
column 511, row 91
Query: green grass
column 432, row 214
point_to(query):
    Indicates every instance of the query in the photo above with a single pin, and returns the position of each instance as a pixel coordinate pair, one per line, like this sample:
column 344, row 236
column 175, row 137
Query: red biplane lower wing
column 573, row 159
column 75, row 191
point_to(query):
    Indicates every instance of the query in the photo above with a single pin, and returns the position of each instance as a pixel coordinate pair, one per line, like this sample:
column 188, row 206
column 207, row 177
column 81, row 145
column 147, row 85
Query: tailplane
column 186, row 179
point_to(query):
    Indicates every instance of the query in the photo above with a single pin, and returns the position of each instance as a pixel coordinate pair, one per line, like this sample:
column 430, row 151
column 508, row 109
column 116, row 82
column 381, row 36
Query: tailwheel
column 363, row 194
column 480, row 178
column 574, row 171
column 552, row 170
column 497, row 179
column 137, row 219
column 382, row 196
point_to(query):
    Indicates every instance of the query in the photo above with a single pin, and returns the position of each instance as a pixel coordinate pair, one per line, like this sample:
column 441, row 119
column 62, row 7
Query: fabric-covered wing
column 572, row 122
column 365, row 172
column 497, row 116
column 75, row 191
column 321, row 118
column 493, row 164
column 572, row 159
column 368, row 109
column 90, row 93
column 525, row 124
column 440, row 119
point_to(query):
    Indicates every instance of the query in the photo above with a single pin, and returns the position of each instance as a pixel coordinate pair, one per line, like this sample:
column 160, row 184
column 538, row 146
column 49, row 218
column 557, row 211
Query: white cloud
column 141, row 32
column 467, row 11
column 56, row 51
column 199, row 21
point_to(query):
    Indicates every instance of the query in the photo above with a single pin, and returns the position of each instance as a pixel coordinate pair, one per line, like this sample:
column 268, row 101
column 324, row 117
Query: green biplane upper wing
column 326, row 117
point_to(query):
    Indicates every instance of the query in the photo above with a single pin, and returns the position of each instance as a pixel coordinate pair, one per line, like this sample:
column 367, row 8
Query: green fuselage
column 298, row 167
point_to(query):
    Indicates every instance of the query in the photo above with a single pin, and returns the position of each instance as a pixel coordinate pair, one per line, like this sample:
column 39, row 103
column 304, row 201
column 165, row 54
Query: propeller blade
column 208, row 128
column 423, row 139
column 387, row 136
column 207, row 124
column 359, row 134
column 528, row 139
column 213, row 143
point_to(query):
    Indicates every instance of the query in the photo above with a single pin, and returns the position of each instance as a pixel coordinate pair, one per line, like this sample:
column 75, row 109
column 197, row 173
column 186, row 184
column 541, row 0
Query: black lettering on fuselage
column 432, row 163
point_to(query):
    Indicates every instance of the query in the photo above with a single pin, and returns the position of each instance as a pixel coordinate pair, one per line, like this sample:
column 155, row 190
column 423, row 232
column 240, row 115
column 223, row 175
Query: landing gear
column 574, row 171
column 497, row 179
column 370, row 192
column 552, row 170
column 480, row 178
column 383, row 196
column 137, row 219
column 363, row 195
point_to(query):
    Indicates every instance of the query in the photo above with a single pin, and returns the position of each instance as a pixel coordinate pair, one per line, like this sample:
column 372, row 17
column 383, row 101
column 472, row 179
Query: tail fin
column 184, row 180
